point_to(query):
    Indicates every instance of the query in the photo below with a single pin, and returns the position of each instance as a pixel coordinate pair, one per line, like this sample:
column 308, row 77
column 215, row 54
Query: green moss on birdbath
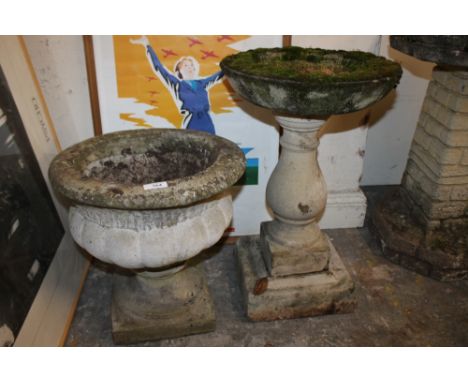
column 305, row 82
column 313, row 64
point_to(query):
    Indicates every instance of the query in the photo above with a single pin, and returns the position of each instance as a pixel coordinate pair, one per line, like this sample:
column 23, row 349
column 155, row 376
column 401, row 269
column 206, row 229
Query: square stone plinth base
column 438, row 250
column 273, row 298
column 152, row 309
column 294, row 252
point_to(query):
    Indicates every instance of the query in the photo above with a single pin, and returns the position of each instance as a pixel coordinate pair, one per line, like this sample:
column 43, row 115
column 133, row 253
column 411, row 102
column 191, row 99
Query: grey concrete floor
column 396, row 307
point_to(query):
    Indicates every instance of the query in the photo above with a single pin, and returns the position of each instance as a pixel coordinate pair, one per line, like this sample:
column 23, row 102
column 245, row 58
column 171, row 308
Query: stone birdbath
column 423, row 224
column 292, row 269
column 148, row 201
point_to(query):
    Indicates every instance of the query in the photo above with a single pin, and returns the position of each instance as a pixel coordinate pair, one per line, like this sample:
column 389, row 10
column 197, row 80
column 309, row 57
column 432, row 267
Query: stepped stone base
column 272, row 298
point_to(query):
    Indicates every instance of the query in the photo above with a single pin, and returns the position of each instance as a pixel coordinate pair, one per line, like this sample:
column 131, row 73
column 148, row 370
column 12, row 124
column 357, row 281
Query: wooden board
column 52, row 311
column 50, row 314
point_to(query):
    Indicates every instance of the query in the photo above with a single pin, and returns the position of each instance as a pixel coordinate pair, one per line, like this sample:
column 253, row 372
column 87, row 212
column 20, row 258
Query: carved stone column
column 297, row 195
column 301, row 274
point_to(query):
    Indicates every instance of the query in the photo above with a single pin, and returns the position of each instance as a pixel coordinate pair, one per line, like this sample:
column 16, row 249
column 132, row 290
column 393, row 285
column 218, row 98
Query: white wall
column 59, row 63
column 393, row 121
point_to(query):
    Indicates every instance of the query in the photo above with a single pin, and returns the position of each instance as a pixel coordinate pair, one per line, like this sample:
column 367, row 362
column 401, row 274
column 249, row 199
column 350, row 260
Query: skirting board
column 52, row 311
column 344, row 210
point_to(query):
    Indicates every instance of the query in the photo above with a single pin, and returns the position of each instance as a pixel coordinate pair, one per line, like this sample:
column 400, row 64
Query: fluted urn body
column 149, row 201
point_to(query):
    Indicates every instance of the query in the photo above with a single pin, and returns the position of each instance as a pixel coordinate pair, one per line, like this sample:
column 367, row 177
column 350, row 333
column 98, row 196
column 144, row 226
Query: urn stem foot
column 153, row 308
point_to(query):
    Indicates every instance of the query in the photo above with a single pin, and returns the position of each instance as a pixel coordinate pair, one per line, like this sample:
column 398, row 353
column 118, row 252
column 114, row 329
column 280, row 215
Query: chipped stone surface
column 294, row 295
column 220, row 164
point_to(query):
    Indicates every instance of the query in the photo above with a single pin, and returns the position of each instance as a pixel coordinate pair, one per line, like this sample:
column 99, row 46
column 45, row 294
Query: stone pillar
column 436, row 177
column 297, row 194
column 292, row 269
column 423, row 226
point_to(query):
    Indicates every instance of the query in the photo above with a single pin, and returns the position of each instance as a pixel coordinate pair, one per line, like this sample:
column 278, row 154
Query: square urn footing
column 272, row 298
column 150, row 309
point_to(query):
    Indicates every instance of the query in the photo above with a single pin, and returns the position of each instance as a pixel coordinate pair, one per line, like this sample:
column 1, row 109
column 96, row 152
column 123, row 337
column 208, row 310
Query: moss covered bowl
column 306, row 82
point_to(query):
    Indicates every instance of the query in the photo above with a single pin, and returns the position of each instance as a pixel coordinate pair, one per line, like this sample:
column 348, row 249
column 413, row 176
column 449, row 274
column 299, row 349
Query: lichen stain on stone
column 278, row 94
column 304, row 208
column 361, row 100
column 314, row 95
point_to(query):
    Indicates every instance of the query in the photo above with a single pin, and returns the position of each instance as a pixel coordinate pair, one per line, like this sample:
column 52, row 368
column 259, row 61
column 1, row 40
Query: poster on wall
column 176, row 82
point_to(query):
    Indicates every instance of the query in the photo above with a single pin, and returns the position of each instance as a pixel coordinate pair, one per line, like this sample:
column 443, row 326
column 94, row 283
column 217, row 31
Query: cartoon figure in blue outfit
column 188, row 90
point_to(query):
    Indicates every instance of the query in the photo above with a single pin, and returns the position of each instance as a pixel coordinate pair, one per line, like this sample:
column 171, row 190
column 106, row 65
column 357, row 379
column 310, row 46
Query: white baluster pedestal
column 292, row 269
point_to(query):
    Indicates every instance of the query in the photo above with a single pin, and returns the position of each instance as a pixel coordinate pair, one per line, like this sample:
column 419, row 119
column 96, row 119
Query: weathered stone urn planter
column 149, row 201
column 292, row 269
column 423, row 225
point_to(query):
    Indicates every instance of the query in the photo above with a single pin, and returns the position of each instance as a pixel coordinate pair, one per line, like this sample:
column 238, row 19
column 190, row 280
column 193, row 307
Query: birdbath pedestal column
column 292, row 269
column 293, row 243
